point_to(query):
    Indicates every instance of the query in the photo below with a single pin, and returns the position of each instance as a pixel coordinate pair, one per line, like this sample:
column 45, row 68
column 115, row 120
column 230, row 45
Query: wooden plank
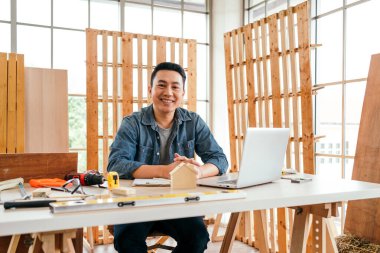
column 105, row 101
column 20, row 105
column 160, row 50
column 139, row 73
column 250, row 76
column 115, row 88
column 37, row 165
column 277, row 116
column 261, row 240
column 241, row 85
column 11, row 105
column 215, row 237
column 273, row 231
column 150, row 64
column 172, row 49
column 192, row 76
column 363, row 216
column 181, row 52
column 305, row 80
column 259, row 76
column 46, row 111
column 127, row 73
column 3, row 104
column 282, row 231
column 293, row 74
column 235, row 84
column 230, row 233
column 265, row 71
column 92, row 99
column 275, row 71
column 300, row 231
column 231, row 112
column 282, row 15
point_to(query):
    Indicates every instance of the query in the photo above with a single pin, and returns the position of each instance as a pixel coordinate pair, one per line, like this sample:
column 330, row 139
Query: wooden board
column 363, row 216
column 37, row 165
column 46, row 110
column 3, row 105
column 92, row 99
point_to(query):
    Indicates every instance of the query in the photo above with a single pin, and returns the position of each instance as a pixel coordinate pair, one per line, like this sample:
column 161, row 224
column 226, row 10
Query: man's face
column 167, row 91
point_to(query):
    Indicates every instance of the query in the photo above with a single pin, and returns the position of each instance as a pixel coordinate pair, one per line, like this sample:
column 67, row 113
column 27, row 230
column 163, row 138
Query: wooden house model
column 184, row 176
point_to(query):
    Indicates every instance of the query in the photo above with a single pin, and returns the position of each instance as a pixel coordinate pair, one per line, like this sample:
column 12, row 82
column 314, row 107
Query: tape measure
column 113, row 180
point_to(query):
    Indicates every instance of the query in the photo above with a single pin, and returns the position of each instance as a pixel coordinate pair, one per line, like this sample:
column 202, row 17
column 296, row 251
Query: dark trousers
column 190, row 233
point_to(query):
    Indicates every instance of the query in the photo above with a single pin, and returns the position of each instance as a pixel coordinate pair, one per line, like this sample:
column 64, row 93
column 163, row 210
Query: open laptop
column 262, row 160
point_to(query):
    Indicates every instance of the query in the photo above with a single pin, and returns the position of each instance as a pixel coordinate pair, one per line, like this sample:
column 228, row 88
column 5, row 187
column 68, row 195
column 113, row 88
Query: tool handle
column 28, row 203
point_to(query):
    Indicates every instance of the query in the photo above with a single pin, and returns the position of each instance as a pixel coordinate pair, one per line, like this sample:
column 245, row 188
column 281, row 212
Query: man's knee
column 129, row 238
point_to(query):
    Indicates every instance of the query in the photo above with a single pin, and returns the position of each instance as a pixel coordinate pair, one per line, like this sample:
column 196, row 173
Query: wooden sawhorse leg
column 301, row 227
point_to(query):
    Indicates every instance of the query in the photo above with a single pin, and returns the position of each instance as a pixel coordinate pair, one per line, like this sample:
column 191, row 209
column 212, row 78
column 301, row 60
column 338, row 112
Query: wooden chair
column 157, row 245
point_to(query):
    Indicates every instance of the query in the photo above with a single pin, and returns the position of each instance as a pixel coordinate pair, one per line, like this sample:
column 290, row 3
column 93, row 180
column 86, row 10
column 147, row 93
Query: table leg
column 300, row 231
column 229, row 236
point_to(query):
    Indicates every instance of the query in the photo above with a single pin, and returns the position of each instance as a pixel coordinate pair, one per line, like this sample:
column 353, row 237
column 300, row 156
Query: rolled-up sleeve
column 207, row 148
column 123, row 150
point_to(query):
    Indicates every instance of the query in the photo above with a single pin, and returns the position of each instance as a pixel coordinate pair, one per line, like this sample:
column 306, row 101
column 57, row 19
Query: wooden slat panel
column 115, row 89
column 293, row 74
column 139, row 73
column 37, row 165
column 250, row 75
column 20, row 105
column 265, row 71
column 305, row 79
column 363, row 216
column 231, row 113
column 160, row 50
column 3, row 103
column 192, row 76
column 11, row 109
column 127, row 72
column 105, row 101
column 285, row 83
column 92, row 99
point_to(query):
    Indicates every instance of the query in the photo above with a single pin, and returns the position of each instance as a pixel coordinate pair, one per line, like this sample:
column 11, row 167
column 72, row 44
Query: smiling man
column 151, row 143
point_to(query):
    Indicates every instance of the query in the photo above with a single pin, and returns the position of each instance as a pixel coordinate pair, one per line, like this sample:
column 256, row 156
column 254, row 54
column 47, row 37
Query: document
column 151, row 182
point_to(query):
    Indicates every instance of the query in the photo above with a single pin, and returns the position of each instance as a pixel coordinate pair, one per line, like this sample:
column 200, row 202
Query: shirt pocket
column 186, row 148
column 144, row 154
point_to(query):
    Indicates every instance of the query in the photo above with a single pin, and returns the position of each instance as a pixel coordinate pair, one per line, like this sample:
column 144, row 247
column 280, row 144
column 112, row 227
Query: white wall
column 226, row 15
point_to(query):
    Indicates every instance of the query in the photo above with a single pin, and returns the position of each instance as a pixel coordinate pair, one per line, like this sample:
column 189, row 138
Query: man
column 151, row 143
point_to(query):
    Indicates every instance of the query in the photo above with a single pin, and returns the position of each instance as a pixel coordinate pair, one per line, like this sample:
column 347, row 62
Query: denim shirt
column 137, row 142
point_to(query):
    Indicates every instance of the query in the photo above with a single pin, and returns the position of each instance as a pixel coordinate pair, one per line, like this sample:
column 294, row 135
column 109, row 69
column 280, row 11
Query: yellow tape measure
column 113, row 180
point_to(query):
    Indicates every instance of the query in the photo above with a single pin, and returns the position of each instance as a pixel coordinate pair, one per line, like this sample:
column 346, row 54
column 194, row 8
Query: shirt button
column 158, row 153
column 158, row 137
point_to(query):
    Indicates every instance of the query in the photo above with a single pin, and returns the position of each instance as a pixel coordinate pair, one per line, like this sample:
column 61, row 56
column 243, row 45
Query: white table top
column 281, row 193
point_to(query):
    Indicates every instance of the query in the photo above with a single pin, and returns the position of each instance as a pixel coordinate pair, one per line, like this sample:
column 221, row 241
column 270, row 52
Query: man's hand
column 179, row 158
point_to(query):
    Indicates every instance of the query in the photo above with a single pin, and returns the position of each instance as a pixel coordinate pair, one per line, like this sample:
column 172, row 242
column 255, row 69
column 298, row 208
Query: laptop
column 261, row 162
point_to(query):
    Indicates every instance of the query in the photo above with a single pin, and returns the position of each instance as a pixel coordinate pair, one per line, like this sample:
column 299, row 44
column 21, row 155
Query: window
column 49, row 39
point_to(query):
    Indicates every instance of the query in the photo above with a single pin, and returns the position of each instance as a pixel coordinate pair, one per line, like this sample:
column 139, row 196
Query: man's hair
column 168, row 66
